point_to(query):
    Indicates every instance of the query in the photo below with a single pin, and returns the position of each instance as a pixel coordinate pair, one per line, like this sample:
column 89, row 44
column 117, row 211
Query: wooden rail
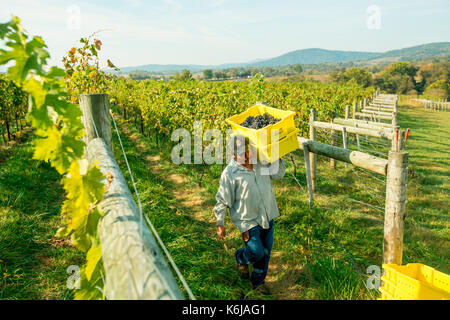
column 435, row 105
column 381, row 113
column 357, row 158
column 372, row 115
column 395, row 168
column 134, row 266
column 363, row 123
column 353, row 129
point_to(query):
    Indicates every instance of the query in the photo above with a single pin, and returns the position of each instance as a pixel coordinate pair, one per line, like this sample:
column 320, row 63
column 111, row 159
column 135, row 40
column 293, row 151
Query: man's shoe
column 242, row 270
column 262, row 288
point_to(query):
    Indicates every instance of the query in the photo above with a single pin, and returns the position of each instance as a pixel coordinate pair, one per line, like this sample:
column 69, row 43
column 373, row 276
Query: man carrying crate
column 246, row 190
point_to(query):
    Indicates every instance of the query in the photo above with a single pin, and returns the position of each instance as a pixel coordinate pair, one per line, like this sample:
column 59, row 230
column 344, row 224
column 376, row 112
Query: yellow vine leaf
column 60, row 147
column 93, row 257
column 83, row 186
column 90, row 290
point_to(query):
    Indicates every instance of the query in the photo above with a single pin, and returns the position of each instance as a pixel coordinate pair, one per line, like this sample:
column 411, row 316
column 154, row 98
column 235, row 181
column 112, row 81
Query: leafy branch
column 59, row 133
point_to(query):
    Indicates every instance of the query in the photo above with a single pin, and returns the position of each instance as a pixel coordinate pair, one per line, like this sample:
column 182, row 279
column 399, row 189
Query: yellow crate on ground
column 285, row 138
column 415, row 281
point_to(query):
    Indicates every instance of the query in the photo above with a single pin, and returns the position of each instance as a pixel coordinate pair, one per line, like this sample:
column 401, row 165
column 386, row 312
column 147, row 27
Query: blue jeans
column 257, row 252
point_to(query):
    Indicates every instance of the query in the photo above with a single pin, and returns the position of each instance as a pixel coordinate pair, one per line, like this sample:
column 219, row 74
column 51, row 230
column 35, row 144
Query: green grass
column 345, row 237
column 318, row 254
column 427, row 235
column 33, row 264
column 190, row 233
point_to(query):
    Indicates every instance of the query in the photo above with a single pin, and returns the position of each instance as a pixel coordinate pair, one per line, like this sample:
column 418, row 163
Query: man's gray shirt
column 248, row 194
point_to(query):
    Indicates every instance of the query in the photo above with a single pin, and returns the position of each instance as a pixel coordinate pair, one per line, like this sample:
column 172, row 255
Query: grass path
column 428, row 230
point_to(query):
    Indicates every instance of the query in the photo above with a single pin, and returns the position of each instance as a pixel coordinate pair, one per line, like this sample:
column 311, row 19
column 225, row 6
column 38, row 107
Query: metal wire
column 155, row 233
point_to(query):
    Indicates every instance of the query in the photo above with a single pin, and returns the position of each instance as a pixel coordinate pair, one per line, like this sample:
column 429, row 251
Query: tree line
column 403, row 77
column 428, row 77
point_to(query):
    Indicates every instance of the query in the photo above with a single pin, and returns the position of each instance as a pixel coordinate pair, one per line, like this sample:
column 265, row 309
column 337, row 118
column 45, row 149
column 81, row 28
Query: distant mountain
column 417, row 52
column 315, row 55
column 311, row 56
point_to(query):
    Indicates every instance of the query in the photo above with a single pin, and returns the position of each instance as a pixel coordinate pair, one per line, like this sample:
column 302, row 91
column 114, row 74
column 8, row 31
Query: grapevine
column 13, row 107
column 162, row 107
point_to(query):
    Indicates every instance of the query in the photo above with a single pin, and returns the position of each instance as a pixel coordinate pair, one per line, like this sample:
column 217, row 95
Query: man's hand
column 246, row 236
column 221, row 232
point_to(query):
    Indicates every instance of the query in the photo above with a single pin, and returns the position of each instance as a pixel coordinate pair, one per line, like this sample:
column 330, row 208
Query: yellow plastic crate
column 263, row 136
column 285, row 145
column 285, row 140
column 415, row 281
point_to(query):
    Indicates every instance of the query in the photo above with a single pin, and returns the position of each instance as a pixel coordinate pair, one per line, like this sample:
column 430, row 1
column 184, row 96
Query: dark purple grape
column 260, row 121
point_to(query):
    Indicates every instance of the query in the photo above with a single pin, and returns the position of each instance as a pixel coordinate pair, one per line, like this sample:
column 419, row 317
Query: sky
column 209, row 32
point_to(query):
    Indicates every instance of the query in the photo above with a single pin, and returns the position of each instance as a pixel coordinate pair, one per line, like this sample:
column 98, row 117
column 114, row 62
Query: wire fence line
column 366, row 183
column 131, row 278
column 373, row 184
column 150, row 224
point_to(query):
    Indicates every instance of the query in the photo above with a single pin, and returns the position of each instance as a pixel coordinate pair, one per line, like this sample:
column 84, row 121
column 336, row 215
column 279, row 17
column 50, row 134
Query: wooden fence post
column 344, row 139
column 354, row 110
column 357, row 158
column 347, row 111
column 333, row 143
column 395, row 207
column 395, row 145
column 394, row 119
column 96, row 117
column 308, row 174
column 312, row 156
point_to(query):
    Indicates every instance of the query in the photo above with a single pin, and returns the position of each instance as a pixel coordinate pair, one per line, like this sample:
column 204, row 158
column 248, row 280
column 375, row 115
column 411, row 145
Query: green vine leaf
column 59, row 132
column 58, row 147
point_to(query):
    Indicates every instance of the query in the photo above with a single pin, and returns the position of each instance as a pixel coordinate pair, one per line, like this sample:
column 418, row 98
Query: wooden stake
column 96, row 117
column 308, row 174
column 333, row 143
column 395, row 208
column 344, row 139
column 394, row 119
column 312, row 156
